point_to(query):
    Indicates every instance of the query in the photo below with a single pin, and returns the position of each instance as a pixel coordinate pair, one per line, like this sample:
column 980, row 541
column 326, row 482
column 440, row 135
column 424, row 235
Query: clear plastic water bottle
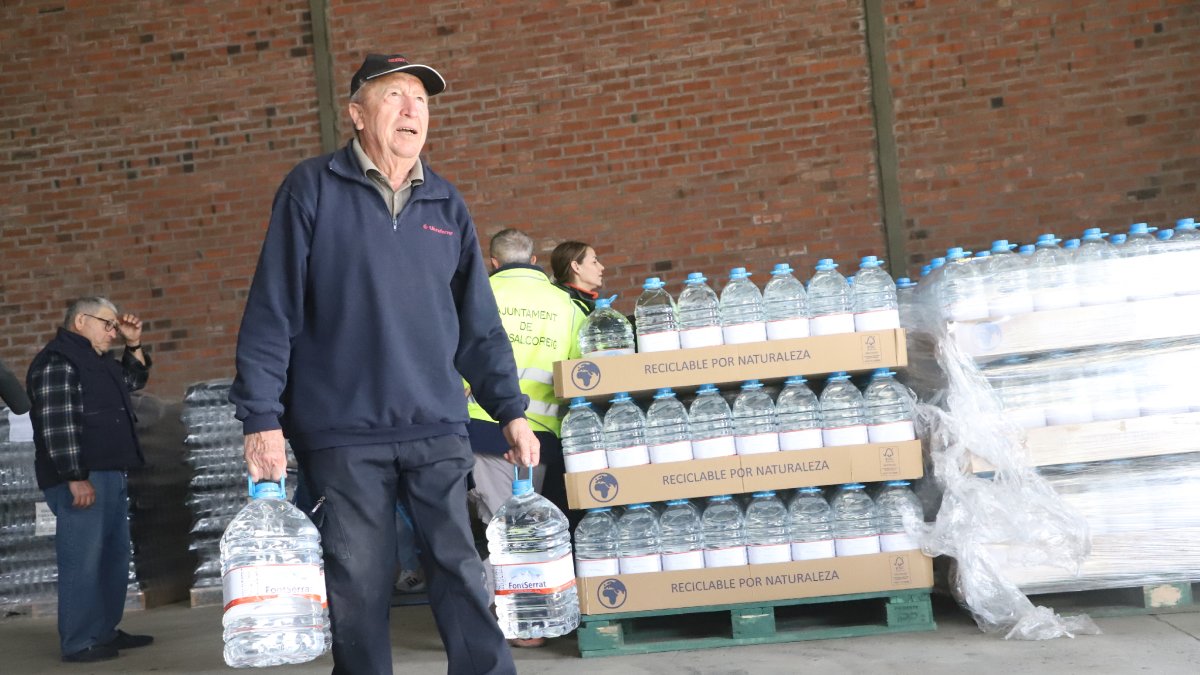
column 712, row 424
column 681, row 536
column 625, row 433
column 799, row 415
column 963, row 296
column 742, row 317
column 273, row 583
column 1052, row 276
column 699, row 314
column 1096, row 270
column 657, row 324
column 638, row 540
column 1007, row 281
column 810, row 525
column 606, row 332
column 724, row 528
column 530, row 551
column 873, row 297
column 668, row 431
column 583, row 445
column 1026, row 250
column 855, row 521
column 786, row 305
column 829, row 307
column 755, row 426
column 596, row 544
column 896, row 504
column 843, row 413
column 1112, row 387
column 890, row 408
column 767, row 530
column 1142, row 276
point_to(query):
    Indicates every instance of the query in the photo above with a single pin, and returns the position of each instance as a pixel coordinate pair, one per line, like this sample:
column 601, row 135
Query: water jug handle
column 282, row 484
column 517, row 474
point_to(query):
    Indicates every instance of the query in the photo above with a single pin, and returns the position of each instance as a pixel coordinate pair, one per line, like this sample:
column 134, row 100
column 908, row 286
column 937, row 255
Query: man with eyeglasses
column 83, row 429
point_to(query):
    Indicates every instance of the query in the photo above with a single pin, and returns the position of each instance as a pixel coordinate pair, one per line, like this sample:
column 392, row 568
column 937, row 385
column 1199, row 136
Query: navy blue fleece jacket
column 358, row 326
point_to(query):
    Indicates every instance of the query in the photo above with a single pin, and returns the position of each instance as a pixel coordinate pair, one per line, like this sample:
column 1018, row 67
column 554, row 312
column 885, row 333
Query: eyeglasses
column 109, row 324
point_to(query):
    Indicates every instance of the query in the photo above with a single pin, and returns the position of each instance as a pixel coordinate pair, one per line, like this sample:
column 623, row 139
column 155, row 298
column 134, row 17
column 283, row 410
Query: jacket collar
column 520, row 266
column 587, row 294
column 76, row 342
column 345, row 164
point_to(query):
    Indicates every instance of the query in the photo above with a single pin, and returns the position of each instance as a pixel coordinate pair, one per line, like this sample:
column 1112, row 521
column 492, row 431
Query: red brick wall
column 145, row 139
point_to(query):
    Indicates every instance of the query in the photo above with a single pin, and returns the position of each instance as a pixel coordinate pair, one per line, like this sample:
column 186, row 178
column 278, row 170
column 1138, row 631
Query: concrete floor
column 189, row 641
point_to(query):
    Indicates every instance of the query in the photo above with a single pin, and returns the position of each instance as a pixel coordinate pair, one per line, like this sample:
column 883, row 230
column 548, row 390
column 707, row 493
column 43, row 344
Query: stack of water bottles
column 797, row 419
column 783, row 309
column 750, row 529
column 28, row 575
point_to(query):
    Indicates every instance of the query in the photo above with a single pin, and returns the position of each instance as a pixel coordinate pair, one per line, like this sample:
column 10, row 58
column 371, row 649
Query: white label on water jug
column 852, row 435
column 896, row 541
column 831, row 324
column 632, row 456
column 688, row 560
column 743, row 333
column 679, row 451
column 256, row 583
column 786, row 329
column 708, row 336
column 44, row 522
column 640, row 564
column 20, row 428
column 769, row 553
column 624, row 351
column 879, row 319
column 1069, row 412
column 804, row 439
column 1115, row 409
column 1010, row 304
column 592, row 460
column 1027, row 418
column 970, row 309
column 725, row 557
column 658, row 342
column 604, row 567
column 857, row 545
column 1055, row 298
column 891, row 432
column 721, row 446
column 813, row 550
column 541, row 577
column 757, row 444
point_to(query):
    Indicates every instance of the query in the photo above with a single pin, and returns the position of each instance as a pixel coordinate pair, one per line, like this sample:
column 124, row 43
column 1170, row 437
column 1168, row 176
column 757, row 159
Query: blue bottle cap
column 853, row 486
column 904, row 282
column 1027, row 249
column 600, row 509
column 1164, row 235
column 619, row 397
column 1092, row 231
column 739, row 273
column 896, row 483
column 1071, row 244
column 664, row 392
column 1000, row 245
column 706, row 389
column 1117, row 239
column 267, row 489
column 763, row 493
column 653, row 283
column 826, row 264
column 926, row 269
column 720, row 498
column 781, row 269
column 676, row 502
column 601, row 303
column 752, row 384
column 1141, row 228
column 795, row 379
column 1184, row 222
column 983, row 254
column 696, row 278
column 882, row 372
column 637, row 506
column 579, row 402
column 811, row 489
column 936, row 263
column 839, row 375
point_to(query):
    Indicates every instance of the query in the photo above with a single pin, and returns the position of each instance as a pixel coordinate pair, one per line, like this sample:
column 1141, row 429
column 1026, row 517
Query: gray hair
column 511, row 246
column 88, row 305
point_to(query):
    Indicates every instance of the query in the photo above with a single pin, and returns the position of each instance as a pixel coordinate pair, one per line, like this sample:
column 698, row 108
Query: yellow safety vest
column 543, row 327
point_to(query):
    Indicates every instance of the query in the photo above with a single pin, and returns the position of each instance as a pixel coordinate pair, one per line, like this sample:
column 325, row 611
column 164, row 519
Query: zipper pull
column 317, row 507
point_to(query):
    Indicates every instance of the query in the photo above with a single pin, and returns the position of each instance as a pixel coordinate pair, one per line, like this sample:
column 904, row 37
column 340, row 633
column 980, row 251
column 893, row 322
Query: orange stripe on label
column 539, row 591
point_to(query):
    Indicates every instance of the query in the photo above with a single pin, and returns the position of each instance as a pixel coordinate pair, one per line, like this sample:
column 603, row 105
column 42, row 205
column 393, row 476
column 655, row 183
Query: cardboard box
column 738, row 474
column 903, row 570
column 729, row 364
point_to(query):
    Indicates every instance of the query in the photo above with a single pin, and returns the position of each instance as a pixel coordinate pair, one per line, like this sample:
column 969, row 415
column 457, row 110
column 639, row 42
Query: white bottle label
column 708, row 336
column 769, row 553
column 45, row 524
column 804, row 439
column 725, row 557
column 20, row 428
column 624, row 351
column 787, row 329
column 831, row 324
column 1010, row 304
column 1069, row 412
column 743, row 333
column 604, row 567
column 813, row 550
column 592, row 460
column 880, row 319
column 679, row 451
column 640, row 564
column 256, row 583
column 896, row 541
column 721, row 446
column 541, row 577
column 632, row 456
column 851, row 435
column 690, row 560
column 970, row 309
column 658, row 342
column 857, row 545
column 757, row 444
column 891, row 432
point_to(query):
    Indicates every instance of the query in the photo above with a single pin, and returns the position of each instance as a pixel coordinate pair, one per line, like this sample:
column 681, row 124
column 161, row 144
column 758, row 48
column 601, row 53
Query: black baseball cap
column 377, row 65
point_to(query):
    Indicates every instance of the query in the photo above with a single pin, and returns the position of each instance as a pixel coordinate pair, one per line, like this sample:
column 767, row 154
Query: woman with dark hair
column 578, row 272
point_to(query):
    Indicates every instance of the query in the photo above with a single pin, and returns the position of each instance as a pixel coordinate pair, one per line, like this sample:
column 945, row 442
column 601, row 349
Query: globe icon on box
column 604, row 487
column 585, row 375
column 611, row 593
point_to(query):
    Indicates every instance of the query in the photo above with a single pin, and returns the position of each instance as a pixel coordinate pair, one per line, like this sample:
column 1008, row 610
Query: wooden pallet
column 207, row 596
column 821, row 618
column 48, row 606
column 1150, row 599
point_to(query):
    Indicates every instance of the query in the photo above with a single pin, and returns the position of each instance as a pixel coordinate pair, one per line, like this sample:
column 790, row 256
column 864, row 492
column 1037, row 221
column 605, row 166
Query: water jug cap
column 664, row 392
column 706, row 389
column 601, row 303
column 579, row 402
column 522, row 486
column 1164, row 235
column 904, row 282
column 854, row 486
column 1117, row 239
column 1071, row 243
column 825, row 264
column 763, row 493
column 1048, row 239
column 752, row 384
column 808, row 490
column 1002, row 245
column 1183, row 222
column 720, row 498
column 642, row 505
column 676, row 502
column 600, row 509
column 882, row 372
column 1141, row 228
column 926, row 269
column 955, row 252
column 839, row 375
column 869, row 261
column 1092, row 232
column 653, row 283
column 267, row 489
column 983, row 254
column 795, row 379
column 739, row 273
column 936, row 263
column 850, row 279
column 620, row 397
column 896, row 483
column 696, row 278
column 781, row 269
column 1026, row 249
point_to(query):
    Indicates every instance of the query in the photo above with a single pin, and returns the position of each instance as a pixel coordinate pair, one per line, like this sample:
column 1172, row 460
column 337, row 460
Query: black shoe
column 126, row 641
column 93, row 653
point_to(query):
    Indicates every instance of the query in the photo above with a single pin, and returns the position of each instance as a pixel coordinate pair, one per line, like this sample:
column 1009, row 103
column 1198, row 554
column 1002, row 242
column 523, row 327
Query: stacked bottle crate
column 28, row 576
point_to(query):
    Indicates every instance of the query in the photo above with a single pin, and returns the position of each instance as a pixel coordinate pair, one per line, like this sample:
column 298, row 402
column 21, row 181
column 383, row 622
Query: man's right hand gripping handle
column 265, row 455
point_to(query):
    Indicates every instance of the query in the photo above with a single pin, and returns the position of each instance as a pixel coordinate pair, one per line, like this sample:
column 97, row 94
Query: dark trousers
column 92, row 547
column 360, row 485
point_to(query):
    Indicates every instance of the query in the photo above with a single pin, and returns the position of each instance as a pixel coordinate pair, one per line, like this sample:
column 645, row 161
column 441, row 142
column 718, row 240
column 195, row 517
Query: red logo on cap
column 398, row 59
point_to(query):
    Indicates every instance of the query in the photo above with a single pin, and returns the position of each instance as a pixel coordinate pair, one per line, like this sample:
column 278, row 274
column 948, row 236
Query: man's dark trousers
column 357, row 519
